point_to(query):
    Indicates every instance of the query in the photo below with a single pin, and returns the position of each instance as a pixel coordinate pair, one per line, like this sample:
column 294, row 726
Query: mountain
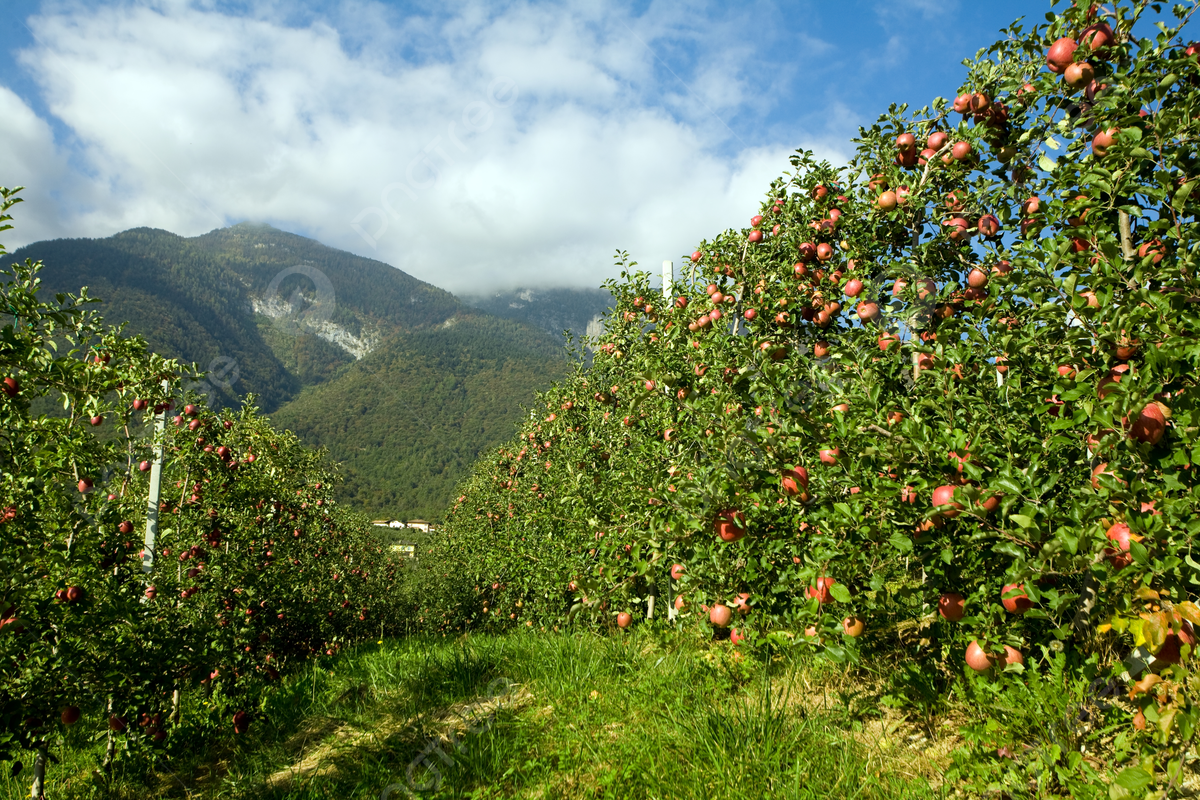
column 399, row 379
column 552, row 310
column 409, row 420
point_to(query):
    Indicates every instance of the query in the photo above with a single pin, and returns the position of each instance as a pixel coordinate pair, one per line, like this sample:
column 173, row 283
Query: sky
column 478, row 146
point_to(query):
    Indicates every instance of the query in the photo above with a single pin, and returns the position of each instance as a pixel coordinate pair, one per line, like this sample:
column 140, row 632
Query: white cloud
column 187, row 119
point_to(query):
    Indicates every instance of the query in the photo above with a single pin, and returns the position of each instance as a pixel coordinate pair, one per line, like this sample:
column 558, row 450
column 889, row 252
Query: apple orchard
column 255, row 568
column 949, row 388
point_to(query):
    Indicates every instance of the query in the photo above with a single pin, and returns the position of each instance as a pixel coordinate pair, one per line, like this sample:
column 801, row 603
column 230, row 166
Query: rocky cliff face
column 281, row 310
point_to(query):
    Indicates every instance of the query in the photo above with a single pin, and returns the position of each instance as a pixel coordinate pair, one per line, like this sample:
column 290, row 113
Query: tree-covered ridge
column 409, row 420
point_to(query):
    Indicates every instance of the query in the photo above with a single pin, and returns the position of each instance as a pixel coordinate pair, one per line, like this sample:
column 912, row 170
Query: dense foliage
column 942, row 400
column 255, row 565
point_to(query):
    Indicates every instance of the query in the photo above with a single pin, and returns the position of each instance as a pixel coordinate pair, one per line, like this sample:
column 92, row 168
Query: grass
column 643, row 715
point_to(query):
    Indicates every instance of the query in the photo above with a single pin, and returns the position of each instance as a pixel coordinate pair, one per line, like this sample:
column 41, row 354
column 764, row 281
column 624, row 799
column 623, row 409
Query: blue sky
column 474, row 145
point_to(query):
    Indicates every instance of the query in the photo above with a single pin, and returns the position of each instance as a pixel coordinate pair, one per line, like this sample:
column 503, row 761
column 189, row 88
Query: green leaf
column 1135, row 779
column 840, row 592
column 1181, row 195
column 1046, row 163
column 901, row 542
column 1022, row 520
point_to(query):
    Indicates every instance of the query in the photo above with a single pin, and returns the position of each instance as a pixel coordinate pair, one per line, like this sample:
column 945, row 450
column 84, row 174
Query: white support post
column 155, row 495
column 671, row 612
column 668, row 279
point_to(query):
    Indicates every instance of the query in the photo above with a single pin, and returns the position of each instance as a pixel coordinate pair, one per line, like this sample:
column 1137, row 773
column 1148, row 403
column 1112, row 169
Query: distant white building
column 416, row 524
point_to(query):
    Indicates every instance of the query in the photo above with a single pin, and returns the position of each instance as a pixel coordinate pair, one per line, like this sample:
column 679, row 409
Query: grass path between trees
column 642, row 715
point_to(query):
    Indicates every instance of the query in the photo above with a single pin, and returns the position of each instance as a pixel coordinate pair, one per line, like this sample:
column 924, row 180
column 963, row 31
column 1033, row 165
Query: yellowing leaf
column 1165, row 720
column 1154, row 629
column 1189, row 611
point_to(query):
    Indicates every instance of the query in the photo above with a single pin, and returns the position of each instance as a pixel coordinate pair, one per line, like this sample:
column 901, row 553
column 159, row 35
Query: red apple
column 1104, row 140
column 1097, row 37
column 936, row 140
column 959, row 229
column 988, row 226
column 950, row 606
column 1014, row 599
column 821, row 590
column 70, row 715
column 1119, row 534
column 1079, row 75
column 852, row 627
column 829, row 456
column 1061, row 55
column 730, row 525
column 795, row 481
column 736, row 637
column 624, row 619
column 1150, row 425
column 720, row 616
column 960, row 151
column 944, row 496
column 887, row 201
column 867, row 311
column 741, row 603
column 1153, row 247
column 11, row 387
column 977, row 279
column 824, row 251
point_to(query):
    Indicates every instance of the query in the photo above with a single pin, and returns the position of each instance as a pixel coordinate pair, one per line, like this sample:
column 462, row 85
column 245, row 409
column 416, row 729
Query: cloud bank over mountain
column 475, row 146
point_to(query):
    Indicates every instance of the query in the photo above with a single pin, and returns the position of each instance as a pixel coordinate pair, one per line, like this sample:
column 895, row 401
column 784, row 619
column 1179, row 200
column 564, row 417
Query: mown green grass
column 644, row 715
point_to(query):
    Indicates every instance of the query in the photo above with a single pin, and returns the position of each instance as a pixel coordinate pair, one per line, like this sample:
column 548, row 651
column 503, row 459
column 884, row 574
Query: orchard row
column 254, row 567
column 946, row 389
